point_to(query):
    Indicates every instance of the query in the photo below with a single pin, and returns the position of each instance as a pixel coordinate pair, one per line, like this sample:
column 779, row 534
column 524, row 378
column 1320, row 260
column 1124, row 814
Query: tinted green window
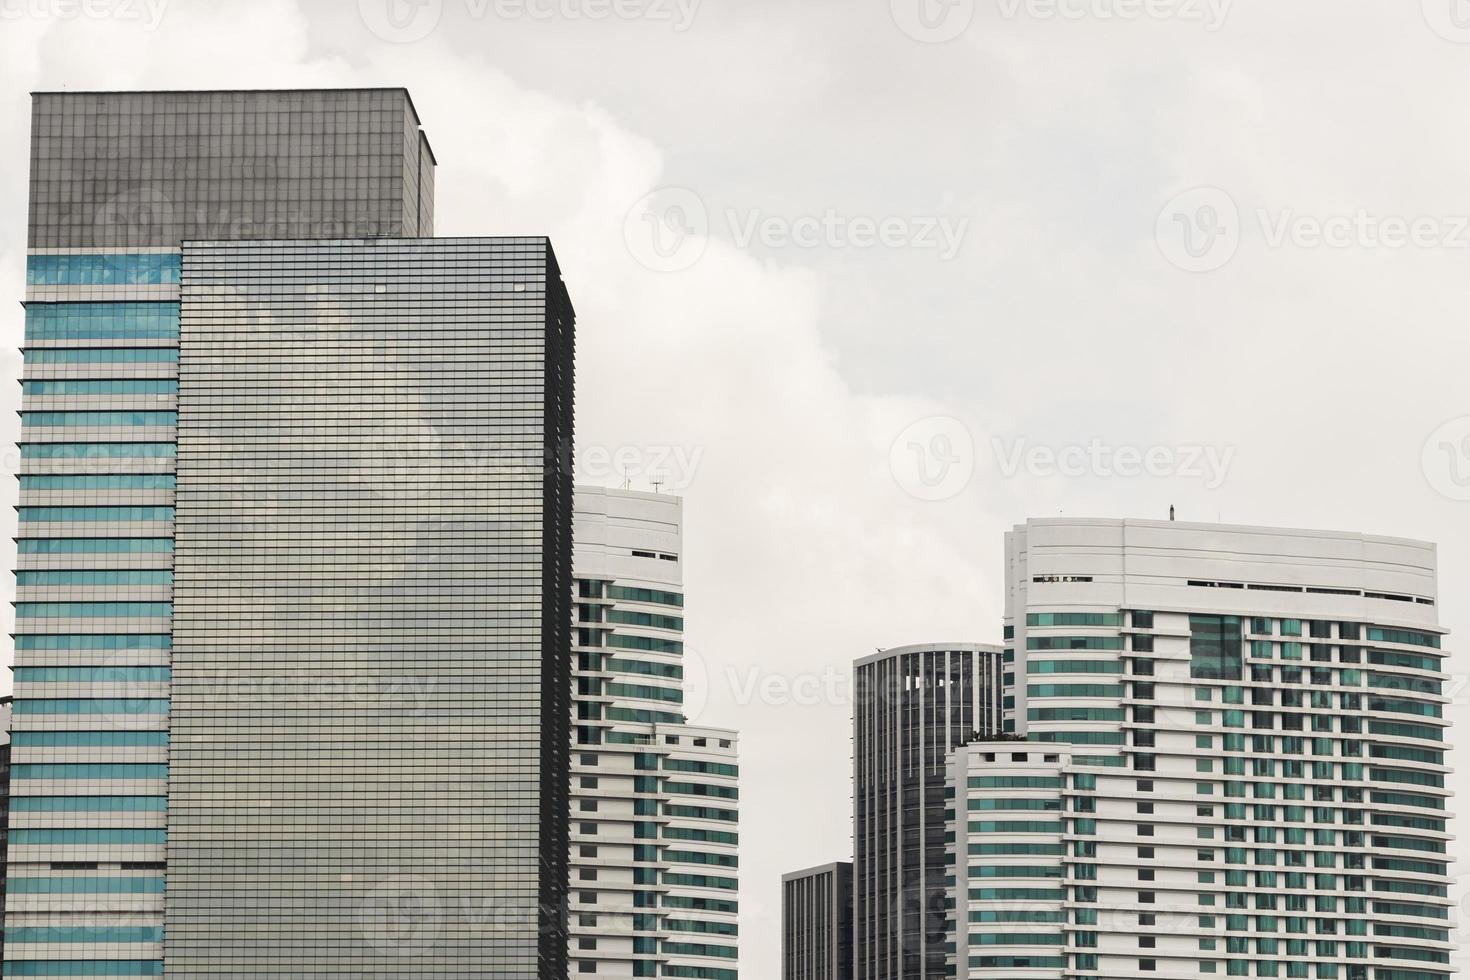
column 102, row 321
column 1074, row 619
column 99, row 418
column 1215, row 647
column 121, row 269
column 95, row 546
column 104, row 386
column 98, row 450
column 102, row 355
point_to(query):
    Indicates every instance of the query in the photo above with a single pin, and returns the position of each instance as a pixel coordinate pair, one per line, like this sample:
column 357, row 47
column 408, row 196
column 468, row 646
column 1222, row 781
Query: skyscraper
column 367, row 651
column 1235, row 760
column 655, row 799
column 913, row 705
column 816, row 923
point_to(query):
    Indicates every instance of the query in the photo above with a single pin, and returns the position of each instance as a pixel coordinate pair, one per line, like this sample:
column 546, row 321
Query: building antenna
column 627, row 480
column 657, row 480
column 1171, row 512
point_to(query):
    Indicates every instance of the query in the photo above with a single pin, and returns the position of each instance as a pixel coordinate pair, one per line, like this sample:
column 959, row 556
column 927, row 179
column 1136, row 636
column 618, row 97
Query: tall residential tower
column 1235, row 760
column 655, row 799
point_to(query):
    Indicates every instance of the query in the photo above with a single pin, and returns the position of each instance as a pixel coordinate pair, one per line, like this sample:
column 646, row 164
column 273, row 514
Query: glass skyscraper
column 913, row 705
column 293, row 598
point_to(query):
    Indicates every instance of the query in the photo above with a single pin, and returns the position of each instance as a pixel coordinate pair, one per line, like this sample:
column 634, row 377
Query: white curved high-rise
column 1234, row 766
column 654, row 798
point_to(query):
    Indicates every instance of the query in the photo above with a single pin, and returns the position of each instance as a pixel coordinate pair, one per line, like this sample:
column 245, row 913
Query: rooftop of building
column 408, row 96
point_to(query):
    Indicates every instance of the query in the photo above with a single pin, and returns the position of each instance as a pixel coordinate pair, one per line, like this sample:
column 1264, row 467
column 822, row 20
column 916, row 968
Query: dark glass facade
column 912, row 706
column 816, row 923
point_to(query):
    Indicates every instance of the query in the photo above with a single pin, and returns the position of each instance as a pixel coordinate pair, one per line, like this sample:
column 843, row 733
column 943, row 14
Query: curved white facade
column 1247, row 728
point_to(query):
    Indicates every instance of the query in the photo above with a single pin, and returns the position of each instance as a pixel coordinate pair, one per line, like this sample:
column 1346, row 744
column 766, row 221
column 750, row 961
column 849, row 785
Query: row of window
column 102, row 355
column 120, row 481
column 85, row 610
column 91, row 418
column 102, row 321
column 112, row 576
column 70, row 740
column 84, row 934
column 89, row 804
column 95, row 546
column 91, row 675
column 132, row 513
column 90, row 770
column 83, row 968
column 89, row 835
column 94, row 641
column 98, row 450
column 102, row 386
column 91, row 706
column 112, row 269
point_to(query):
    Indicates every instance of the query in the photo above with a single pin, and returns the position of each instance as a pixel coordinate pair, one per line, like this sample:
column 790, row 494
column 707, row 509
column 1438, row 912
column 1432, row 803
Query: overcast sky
column 870, row 281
